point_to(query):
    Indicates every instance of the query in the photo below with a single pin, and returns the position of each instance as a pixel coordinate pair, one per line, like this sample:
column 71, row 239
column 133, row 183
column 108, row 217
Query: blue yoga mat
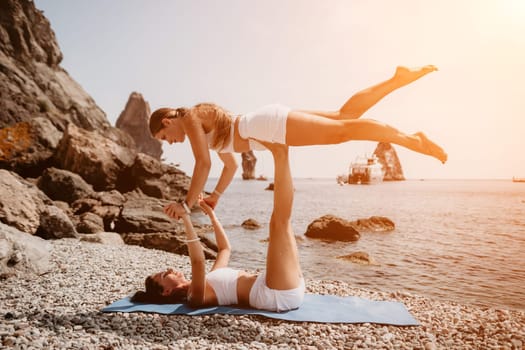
column 315, row 308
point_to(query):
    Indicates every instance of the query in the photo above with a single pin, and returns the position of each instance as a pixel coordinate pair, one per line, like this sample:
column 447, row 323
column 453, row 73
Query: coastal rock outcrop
column 32, row 84
column 374, row 223
column 134, row 120
column 99, row 160
column 22, row 252
column 28, row 147
column 333, row 228
column 106, row 205
column 63, row 185
column 143, row 214
column 54, row 223
column 155, row 179
column 248, row 165
column 90, row 223
column 21, row 202
column 330, row 227
column 387, row 156
column 251, row 224
column 63, row 167
column 361, row 258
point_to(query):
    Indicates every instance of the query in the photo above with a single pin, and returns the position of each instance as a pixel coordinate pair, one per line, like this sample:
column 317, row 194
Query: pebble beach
column 61, row 310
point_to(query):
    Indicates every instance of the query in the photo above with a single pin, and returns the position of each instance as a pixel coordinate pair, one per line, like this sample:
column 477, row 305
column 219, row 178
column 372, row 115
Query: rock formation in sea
column 248, row 165
column 251, row 224
column 387, row 156
column 333, row 228
column 134, row 120
column 64, row 170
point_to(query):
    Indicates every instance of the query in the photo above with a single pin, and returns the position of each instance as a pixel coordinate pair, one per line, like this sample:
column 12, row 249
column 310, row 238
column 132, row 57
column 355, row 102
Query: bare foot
column 430, row 148
column 406, row 75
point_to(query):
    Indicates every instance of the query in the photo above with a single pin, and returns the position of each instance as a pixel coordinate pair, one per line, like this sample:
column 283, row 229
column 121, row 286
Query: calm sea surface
column 461, row 240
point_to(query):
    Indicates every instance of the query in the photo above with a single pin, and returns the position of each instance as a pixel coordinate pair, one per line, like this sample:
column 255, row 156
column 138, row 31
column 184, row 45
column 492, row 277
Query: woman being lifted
column 209, row 126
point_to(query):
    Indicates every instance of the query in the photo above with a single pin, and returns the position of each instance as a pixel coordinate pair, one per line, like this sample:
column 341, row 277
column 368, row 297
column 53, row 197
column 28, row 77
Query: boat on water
column 363, row 170
column 518, row 179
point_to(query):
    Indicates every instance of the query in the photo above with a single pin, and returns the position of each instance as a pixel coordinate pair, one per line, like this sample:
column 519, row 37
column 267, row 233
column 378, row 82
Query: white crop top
column 254, row 145
column 224, row 284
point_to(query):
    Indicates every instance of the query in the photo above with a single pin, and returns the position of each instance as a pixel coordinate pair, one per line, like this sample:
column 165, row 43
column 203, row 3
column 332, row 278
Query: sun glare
column 514, row 10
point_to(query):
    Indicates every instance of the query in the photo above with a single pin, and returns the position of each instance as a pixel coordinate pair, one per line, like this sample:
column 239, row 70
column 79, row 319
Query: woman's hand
column 174, row 210
column 210, row 200
column 205, row 206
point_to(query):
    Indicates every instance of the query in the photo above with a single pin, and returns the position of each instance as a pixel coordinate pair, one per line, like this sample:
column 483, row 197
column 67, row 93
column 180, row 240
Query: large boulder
column 332, row 228
column 155, row 179
column 134, row 120
column 63, row 185
column 248, row 165
column 387, row 156
column 99, row 160
column 106, row 205
column 21, row 202
column 32, row 83
column 54, row 223
column 143, row 214
column 90, row 223
column 22, row 252
column 28, row 147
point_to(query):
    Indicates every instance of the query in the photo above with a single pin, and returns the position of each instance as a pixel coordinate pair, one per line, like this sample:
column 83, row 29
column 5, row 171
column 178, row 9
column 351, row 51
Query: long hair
column 155, row 121
column 153, row 294
column 222, row 123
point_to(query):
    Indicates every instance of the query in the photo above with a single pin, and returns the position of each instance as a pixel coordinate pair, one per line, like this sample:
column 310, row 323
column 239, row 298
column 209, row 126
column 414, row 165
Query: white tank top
column 228, row 148
column 224, row 284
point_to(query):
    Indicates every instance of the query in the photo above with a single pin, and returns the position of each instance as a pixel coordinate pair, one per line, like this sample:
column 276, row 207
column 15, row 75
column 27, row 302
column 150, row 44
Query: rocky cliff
column 32, row 83
column 64, row 170
column 388, row 158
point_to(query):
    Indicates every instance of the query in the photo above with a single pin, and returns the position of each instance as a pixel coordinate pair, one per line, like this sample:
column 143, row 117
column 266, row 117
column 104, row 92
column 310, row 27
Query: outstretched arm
column 198, row 265
column 223, row 244
column 201, row 170
column 201, row 153
column 227, row 174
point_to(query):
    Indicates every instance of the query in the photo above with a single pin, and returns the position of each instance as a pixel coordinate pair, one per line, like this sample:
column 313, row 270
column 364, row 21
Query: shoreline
column 62, row 310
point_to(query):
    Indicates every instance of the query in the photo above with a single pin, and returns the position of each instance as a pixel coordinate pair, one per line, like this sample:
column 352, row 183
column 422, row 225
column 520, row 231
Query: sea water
column 460, row 240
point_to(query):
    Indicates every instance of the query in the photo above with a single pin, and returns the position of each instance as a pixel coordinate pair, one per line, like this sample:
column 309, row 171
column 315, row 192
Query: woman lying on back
column 281, row 287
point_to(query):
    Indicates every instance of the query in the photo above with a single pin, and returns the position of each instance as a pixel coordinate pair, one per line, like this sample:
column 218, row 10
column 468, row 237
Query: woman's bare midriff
column 245, row 282
column 239, row 144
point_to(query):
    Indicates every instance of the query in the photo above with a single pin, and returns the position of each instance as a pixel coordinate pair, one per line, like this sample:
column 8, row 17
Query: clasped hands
column 207, row 204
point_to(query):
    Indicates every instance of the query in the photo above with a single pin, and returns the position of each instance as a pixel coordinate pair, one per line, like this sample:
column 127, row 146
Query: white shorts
column 264, row 298
column 266, row 124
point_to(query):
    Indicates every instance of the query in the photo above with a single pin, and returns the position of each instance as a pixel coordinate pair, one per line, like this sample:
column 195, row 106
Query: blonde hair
column 222, row 123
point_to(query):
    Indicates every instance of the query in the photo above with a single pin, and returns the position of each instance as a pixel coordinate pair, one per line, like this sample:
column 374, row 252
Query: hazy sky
column 307, row 54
